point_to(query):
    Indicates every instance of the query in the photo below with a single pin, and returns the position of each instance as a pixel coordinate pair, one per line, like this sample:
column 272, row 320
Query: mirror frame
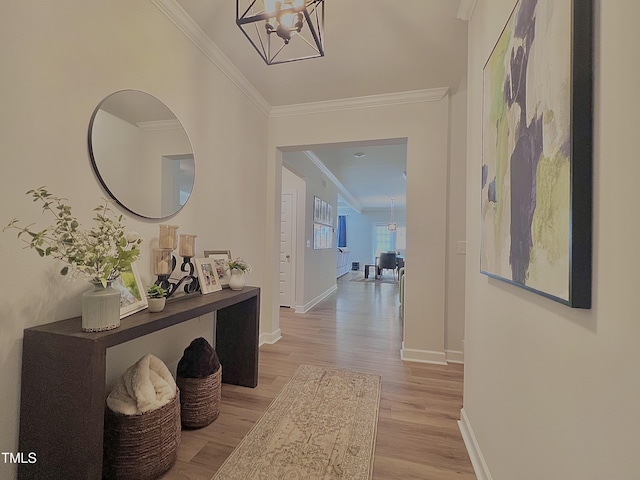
column 100, row 177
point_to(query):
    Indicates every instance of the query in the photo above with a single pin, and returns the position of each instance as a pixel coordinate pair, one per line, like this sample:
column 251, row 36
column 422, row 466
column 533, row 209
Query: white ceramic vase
column 156, row 304
column 237, row 280
column 100, row 308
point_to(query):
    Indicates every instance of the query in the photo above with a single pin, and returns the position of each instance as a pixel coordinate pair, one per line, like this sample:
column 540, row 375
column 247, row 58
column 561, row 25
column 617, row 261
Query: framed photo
column 317, row 208
column 536, row 205
column 207, row 275
column 220, row 258
column 132, row 294
column 322, row 236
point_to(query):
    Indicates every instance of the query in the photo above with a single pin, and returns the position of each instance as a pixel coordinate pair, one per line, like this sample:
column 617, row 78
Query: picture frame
column 322, row 236
column 207, row 275
column 322, row 212
column 317, row 207
column 220, row 257
column 537, row 166
column 132, row 293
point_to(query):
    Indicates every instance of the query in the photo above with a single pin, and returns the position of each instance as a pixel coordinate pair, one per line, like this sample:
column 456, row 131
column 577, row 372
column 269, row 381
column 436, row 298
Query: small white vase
column 156, row 304
column 237, row 280
column 100, row 308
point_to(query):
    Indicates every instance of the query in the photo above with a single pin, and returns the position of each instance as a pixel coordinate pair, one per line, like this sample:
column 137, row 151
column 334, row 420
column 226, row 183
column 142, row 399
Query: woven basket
column 141, row 447
column 200, row 399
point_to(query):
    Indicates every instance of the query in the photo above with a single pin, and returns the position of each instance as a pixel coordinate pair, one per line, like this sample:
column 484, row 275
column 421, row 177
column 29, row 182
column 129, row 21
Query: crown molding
column 399, row 98
column 155, row 125
column 465, row 9
column 350, row 199
column 176, row 15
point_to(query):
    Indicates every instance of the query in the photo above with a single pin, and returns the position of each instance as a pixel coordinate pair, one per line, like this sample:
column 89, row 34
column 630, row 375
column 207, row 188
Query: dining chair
column 387, row 261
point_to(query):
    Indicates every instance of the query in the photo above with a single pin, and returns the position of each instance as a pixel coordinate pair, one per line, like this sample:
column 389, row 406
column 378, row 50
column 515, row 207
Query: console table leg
column 237, row 334
column 61, row 407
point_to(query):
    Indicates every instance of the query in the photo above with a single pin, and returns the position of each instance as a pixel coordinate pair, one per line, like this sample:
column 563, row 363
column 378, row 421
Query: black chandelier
column 283, row 31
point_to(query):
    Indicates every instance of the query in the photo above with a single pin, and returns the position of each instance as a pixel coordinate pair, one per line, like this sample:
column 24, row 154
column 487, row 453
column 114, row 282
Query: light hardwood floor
column 358, row 328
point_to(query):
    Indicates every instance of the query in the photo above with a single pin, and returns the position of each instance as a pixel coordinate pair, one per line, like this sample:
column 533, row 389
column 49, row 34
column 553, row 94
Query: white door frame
column 294, row 256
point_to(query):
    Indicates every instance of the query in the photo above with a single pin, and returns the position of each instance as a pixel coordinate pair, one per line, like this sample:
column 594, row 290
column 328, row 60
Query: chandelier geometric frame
column 283, row 31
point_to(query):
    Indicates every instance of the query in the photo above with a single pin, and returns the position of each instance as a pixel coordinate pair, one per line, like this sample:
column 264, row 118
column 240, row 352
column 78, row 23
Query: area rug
column 372, row 279
column 321, row 426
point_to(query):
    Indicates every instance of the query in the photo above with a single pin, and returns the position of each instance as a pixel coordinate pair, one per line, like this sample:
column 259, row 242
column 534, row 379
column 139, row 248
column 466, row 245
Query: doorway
column 287, row 248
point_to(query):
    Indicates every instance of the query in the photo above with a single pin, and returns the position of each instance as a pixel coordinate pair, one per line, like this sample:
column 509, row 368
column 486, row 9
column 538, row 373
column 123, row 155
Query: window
column 385, row 240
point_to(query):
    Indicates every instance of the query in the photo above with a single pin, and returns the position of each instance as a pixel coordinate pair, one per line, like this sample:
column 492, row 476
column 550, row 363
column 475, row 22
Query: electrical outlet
column 462, row 248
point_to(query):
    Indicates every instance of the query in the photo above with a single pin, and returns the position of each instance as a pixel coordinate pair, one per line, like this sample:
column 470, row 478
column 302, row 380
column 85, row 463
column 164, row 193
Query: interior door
column 286, row 250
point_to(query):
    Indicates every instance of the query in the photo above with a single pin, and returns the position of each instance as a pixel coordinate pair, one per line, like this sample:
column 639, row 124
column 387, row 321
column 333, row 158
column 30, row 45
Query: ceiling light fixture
column 359, row 154
column 392, row 226
column 283, row 31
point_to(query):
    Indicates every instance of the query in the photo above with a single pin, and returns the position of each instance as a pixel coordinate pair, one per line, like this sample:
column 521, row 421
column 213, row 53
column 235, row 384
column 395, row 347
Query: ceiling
column 372, row 47
column 372, row 174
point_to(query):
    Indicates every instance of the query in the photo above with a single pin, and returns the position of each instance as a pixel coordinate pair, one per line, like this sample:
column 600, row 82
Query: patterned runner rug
column 321, row 426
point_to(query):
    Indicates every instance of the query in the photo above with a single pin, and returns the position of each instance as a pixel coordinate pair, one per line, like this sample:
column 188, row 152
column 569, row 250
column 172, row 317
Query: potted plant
column 101, row 253
column 237, row 269
column 157, row 297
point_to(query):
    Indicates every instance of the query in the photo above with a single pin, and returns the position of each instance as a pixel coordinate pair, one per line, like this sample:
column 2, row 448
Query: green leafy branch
column 238, row 264
column 100, row 253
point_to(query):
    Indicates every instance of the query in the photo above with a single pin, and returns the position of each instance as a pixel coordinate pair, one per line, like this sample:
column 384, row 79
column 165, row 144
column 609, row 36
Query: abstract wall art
column 536, row 205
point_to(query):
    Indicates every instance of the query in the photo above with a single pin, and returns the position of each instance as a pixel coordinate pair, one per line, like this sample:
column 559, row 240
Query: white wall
column 320, row 264
column 456, row 224
column 552, row 392
column 64, row 58
column 358, row 236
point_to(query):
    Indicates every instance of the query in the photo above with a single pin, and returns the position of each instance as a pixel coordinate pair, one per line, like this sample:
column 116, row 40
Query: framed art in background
column 317, row 208
column 323, row 224
column 536, row 205
column 220, row 257
column 207, row 275
column 132, row 296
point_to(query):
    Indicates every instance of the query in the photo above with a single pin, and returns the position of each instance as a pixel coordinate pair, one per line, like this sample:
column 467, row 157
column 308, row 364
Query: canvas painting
column 536, row 178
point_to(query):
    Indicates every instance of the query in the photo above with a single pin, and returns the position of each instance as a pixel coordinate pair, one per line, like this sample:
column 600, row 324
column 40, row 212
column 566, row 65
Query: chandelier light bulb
column 270, row 6
column 288, row 19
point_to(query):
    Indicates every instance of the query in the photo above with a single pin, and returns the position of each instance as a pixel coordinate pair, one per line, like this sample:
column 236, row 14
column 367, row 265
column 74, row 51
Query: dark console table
column 62, row 402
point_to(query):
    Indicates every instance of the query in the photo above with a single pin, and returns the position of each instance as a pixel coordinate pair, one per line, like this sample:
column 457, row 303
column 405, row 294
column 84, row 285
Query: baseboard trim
column 270, row 338
column 423, row 356
column 475, row 454
column 309, row 305
column 453, row 356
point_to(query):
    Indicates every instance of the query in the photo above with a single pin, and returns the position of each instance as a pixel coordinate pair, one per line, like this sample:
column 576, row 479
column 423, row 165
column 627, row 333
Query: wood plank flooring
column 357, row 327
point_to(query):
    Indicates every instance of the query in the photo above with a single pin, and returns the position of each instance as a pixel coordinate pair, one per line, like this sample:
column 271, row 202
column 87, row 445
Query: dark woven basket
column 200, row 399
column 141, row 447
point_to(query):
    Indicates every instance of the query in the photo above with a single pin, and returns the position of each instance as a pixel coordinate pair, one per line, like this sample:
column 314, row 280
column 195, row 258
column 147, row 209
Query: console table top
column 177, row 310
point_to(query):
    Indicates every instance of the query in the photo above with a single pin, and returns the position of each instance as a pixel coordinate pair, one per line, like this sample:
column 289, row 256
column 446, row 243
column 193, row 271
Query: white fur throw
column 146, row 385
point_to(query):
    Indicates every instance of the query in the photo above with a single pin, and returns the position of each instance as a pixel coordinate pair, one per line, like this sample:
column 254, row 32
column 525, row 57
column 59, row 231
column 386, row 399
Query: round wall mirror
column 141, row 154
